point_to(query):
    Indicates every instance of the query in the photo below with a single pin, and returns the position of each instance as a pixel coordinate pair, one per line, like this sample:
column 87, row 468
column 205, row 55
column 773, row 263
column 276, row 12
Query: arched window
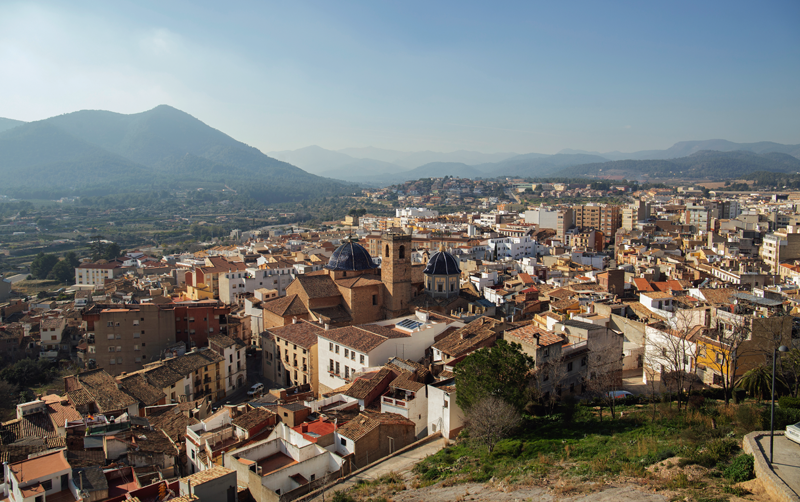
column 387, row 251
column 402, row 252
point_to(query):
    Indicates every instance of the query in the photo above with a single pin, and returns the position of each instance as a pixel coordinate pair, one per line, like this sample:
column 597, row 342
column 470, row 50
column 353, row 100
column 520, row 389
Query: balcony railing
column 394, row 402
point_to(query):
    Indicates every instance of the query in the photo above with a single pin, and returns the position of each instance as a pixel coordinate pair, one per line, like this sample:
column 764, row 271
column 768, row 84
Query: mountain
column 535, row 164
column 165, row 146
column 417, row 159
column 699, row 165
column 6, row 124
column 357, row 170
column 686, row 148
column 313, row 159
column 370, row 152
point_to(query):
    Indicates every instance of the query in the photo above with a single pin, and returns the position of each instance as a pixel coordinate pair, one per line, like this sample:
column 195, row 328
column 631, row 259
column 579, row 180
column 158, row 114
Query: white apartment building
column 415, row 212
column 95, row 274
column 234, row 284
column 515, row 247
column 343, row 352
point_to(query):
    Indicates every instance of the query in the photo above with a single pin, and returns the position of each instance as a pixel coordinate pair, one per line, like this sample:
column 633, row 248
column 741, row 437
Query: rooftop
column 27, row 470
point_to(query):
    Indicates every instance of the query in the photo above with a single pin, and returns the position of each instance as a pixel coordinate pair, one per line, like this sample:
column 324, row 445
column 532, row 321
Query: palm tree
column 758, row 382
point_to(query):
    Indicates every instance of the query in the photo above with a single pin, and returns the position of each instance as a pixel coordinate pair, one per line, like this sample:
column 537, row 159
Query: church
column 353, row 290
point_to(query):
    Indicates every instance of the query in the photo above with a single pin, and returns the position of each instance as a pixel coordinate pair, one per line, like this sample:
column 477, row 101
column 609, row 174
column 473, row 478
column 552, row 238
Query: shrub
column 696, row 402
column 741, row 469
column 748, row 418
column 342, row 496
column 721, row 449
column 783, row 417
column 789, row 402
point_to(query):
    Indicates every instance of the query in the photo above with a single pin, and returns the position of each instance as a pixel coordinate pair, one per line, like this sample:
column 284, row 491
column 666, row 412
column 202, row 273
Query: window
column 347, row 372
column 361, row 358
column 583, row 361
column 119, row 336
column 346, row 352
column 331, row 368
column 112, row 362
column 353, row 356
column 135, row 347
column 546, row 352
column 119, row 348
column 344, row 442
column 110, row 324
column 337, row 349
column 111, row 349
column 119, row 360
column 137, row 335
column 331, row 346
column 374, row 299
column 386, row 254
column 136, row 322
column 569, row 366
column 402, row 252
column 111, row 336
column 47, row 484
column 337, row 367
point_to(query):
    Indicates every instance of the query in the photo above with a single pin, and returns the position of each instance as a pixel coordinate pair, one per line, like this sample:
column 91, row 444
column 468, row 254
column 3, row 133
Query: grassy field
column 571, row 453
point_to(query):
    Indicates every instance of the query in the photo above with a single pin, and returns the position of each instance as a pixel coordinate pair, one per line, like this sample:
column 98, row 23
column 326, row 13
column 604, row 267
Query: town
column 279, row 363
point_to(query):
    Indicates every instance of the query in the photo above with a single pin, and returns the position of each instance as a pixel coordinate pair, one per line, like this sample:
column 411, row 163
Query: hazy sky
column 488, row 76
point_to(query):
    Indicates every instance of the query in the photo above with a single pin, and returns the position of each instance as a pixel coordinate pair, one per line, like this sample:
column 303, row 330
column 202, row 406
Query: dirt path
column 488, row 493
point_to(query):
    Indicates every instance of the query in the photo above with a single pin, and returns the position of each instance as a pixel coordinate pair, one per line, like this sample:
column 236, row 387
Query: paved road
column 400, row 464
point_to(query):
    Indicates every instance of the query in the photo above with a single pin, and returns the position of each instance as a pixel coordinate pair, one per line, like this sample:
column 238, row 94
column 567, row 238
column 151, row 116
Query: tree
column 605, row 377
column 72, row 259
column 758, row 381
column 62, row 272
column 113, row 250
column 500, row 371
column 42, row 265
column 27, row 372
column 490, row 420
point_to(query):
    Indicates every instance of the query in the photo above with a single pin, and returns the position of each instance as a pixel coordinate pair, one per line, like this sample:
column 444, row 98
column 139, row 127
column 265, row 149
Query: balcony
column 393, row 402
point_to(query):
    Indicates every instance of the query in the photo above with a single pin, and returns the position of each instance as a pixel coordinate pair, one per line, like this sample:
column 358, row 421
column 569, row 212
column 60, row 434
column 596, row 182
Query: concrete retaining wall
column 773, row 485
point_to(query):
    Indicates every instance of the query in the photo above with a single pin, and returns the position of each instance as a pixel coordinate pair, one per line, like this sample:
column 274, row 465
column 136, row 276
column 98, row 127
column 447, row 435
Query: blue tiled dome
column 442, row 263
column 350, row 256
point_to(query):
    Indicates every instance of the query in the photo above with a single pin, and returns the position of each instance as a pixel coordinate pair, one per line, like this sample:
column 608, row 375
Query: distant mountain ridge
column 6, row 124
column 389, row 168
column 93, row 151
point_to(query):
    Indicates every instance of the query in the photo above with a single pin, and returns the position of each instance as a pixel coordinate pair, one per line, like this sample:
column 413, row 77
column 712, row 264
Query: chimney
column 294, row 320
column 327, row 326
column 189, row 486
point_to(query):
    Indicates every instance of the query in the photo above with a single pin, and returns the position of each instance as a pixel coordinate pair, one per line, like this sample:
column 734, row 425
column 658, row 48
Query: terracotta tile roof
column 720, row 296
column 642, row 284
column 162, row 376
column 60, row 410
column 103, row 389
column 337, row 314
column 563, row 304
column 193, row 361
column 137, row 386
column 155, row 441
column 35, row 425
column 360, row 281
column 469, row 337
column 173, row 422
column 362, row 386
column 355, row 337
column 358, row 427
column 252, row 418
column 201, row 477
column 534, row 335
column 407, row 381
column 318, row 286
column 221, row 340
column 285, row 305
column 38, row 467
column 80, row 397
column 656, row 295
column 302, row 333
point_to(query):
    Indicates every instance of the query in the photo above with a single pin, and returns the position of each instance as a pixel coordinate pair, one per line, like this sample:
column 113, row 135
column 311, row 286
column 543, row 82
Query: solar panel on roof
column 409, row 324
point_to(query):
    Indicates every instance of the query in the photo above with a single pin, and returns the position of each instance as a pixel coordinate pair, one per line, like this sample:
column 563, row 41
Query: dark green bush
column 783, row 417
column 789, row 402
column 741, row 469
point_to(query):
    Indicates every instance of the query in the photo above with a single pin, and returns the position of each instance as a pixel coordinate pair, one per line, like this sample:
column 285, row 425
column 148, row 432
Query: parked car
column 256, row 389
column 793, row 432
column 619, row 394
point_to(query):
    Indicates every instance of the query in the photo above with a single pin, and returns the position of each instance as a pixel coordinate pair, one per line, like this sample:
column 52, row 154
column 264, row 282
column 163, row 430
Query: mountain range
column 94, row 152
column 695, row 159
